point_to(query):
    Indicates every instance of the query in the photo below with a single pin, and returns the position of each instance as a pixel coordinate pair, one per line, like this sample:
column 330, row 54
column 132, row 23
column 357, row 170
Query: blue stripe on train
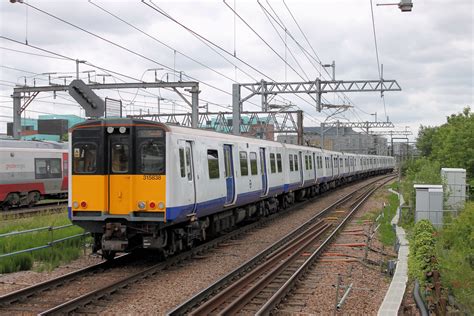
column 178, row 213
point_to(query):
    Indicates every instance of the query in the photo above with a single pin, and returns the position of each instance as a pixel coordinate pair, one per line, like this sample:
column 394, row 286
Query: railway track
column 259, row 285
column 44, row 208
column 48, row 298
column 53, row 297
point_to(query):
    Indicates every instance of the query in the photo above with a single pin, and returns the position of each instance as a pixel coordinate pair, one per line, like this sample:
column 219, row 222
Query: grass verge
column 386, row 231
column 45, row 259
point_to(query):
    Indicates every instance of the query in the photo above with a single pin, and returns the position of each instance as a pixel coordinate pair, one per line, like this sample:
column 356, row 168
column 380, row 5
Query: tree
column 451, row 144
column 424, row 141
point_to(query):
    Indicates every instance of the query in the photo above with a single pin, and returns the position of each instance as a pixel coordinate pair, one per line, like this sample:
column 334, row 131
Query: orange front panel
column 91, row 189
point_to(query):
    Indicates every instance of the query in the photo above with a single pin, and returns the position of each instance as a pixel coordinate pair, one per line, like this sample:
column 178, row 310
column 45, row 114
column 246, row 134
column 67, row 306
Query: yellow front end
column 120, row 194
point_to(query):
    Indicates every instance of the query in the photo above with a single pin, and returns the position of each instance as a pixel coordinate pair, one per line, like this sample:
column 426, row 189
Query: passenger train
column 143, row 184
column 32, row 170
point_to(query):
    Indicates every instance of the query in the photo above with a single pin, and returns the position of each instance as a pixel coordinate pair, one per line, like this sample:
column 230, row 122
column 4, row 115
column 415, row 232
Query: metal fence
column 50, row 244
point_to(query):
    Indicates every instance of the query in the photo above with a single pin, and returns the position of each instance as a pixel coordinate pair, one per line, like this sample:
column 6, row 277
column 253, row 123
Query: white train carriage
column 161, row 186
column 31, row 170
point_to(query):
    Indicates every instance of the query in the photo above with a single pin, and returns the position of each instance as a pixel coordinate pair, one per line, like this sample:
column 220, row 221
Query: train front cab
column 118, row 181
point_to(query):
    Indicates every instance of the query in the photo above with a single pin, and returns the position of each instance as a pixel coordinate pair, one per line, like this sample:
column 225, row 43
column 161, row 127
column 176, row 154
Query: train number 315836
column 151, row 177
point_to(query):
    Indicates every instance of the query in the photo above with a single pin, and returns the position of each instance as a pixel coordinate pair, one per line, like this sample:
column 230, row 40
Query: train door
column 229, row 174
column 315, row 166
column 186, row 180
column 302, row 167
column 64, row 182
column 119, row 177
column 263, row 167
column 332, row 166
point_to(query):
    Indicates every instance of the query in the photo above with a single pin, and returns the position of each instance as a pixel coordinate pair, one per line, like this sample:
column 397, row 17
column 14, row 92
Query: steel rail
column 219, row 285
column 291, row 282
column 53, row 207
column 264, row 274
column 27, row 292
column 92, row 296
column 83, row 300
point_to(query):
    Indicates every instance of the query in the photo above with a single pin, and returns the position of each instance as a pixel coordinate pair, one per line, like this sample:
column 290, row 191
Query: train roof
column 195, row 132
column 15, row 143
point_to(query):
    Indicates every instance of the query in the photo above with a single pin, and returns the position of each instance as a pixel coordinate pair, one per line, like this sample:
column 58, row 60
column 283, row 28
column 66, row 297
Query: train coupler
column 114, row 237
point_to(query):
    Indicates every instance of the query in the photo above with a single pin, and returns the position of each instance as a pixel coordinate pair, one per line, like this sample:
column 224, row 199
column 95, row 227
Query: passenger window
column 54, row 168
column 306, row 162
column 279, row 163
column 84, row 158
column 41, row 171
column 272, row 163
column 253, row 163
column 291, row 163
column 119, row 158
column 152, row 157
column 213, row 163
column 296, row 163
column 310, row 163
column 188, row 163
column 244, row 167
column 181, row 163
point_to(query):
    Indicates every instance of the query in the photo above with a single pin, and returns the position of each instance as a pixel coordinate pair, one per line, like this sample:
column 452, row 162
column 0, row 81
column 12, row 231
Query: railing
column 51, row 243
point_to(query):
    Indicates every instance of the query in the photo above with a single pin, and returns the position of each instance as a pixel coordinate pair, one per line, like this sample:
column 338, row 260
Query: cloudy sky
column 429, row 51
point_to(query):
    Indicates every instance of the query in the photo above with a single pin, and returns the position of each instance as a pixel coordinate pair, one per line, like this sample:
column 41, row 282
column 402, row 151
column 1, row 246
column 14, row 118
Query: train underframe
column 18, row 199
column 124, row 236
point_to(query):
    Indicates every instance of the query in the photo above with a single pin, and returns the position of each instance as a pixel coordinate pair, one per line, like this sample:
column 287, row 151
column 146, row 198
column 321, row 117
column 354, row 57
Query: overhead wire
column 283, row 40
column 346, row 97
column 377, row 53
column 159, row 10
column 262, row 39
column 166, row 45
column 118, row 45
column 106, row 70
column 102, row 38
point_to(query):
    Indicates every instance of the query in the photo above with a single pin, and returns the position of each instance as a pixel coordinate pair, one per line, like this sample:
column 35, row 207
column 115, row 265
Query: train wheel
column 33, row 198
column 108, row 254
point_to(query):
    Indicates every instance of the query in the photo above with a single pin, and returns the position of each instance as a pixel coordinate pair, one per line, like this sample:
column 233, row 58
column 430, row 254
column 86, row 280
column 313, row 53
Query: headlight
column 75, row 204
column 161, row 205
column 141, row 205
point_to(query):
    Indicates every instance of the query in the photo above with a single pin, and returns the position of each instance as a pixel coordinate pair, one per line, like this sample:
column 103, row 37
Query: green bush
column 455, row 254
column 422, row 251
column 420, row 171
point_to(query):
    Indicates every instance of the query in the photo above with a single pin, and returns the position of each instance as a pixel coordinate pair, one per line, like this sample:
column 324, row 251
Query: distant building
column 46, row 127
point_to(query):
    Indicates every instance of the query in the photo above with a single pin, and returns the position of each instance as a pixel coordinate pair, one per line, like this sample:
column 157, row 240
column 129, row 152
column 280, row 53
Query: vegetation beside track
column 386, row 231
column 450, row 250
column 44, row 259
column 455, row 255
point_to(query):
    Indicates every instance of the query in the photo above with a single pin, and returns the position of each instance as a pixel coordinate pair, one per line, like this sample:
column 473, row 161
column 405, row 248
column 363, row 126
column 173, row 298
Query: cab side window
column 84, row 158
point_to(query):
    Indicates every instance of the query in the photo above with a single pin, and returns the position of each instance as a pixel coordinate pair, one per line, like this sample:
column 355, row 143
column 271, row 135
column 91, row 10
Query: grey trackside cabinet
column 455, row 179
column 429, row 203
